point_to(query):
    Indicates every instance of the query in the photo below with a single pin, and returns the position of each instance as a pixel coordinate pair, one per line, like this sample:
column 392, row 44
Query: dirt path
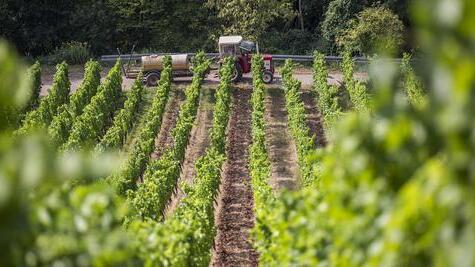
column 314, row 117
column 199, row 141
column 164, row 138
column 76, row 75
column 281, row 147
column 235, row 215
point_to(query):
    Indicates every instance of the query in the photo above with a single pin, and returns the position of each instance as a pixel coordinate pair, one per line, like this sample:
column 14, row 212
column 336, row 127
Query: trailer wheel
column 267, row 77
column 237, row 73
column 152, row 78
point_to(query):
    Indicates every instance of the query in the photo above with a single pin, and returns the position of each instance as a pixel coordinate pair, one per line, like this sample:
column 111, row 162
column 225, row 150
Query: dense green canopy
column 38, row 27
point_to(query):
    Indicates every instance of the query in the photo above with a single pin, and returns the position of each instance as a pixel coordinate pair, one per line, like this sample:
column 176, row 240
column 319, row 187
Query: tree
column 93, row 22
column 250, row 18
column 313, row 13
column 375, row 29
column 165, row 26
column 337, row 16
column 36, row 27
column 301, row 15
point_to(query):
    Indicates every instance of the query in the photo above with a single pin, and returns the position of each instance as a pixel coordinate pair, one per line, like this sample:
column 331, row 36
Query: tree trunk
column 301, row 15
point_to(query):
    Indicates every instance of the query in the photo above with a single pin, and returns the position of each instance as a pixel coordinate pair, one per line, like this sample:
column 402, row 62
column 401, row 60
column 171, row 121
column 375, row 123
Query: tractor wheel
column 152, row 78
column 237, row 73
column 267, row 77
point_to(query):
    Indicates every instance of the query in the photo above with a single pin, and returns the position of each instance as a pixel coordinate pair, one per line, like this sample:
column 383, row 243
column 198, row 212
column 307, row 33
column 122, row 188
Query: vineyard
column 364, row 173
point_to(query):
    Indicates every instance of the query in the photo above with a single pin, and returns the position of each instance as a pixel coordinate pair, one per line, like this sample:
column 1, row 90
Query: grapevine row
column 115, row 136
column 327, row 94
column 34, row 76
column 357, row 90
column 140, row 155
column 259, row 162
column 12, row 116
column 62, row 123
column 97, row 115
column 191, row 230
column 58, row 95
column 161, row 176
column 412, row 84
column 354, row 190
column 297, row 122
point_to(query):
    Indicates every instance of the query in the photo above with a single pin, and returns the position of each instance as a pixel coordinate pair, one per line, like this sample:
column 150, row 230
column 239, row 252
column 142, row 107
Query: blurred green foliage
column 81, row 226
column 49, row 105
column 34, row 75
column 44, row 221
column 395, row 186
column 412, row 84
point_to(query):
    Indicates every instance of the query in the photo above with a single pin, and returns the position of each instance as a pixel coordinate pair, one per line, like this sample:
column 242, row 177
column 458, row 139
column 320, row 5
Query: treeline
column 288, row 26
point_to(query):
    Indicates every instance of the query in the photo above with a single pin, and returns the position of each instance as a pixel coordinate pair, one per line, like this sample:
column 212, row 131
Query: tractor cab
column 242, row 50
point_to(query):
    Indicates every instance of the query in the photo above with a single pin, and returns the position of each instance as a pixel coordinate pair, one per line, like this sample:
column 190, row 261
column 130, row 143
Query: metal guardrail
column 298, row 58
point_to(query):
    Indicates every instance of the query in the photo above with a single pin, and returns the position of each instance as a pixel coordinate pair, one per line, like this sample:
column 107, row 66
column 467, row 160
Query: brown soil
column 281, row 146
column 164, row 138
column 199, row 141
column 314, row 117
column 235, row 215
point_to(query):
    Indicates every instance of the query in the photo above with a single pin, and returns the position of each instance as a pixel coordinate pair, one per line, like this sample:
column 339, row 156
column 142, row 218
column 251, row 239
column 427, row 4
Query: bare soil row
column 164, row 138
column 234, row 215
column 280, row 144
column 314, row 117
column 199, row 141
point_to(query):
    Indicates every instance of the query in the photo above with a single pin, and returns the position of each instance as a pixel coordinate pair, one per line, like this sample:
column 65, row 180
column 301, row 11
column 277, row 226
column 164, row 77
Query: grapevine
column 412, row 84
column 357, row 90
column 392, row 185
column 161, row 176
column 58, row 95
column 259, row 161
column 140, row 155
column 327, row 95
column 62, row 123
column 34, row 76
column 191, row 228
column 97, row 115
column 115, row 136
column 298, row 126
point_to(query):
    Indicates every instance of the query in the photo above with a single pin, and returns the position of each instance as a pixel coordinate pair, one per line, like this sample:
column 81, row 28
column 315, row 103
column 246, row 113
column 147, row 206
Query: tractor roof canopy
column 226, row 40
column 234, row 41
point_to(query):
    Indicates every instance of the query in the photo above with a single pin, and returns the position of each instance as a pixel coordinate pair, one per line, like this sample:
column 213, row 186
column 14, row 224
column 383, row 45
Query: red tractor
column 234, row 46
column 242, row 50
